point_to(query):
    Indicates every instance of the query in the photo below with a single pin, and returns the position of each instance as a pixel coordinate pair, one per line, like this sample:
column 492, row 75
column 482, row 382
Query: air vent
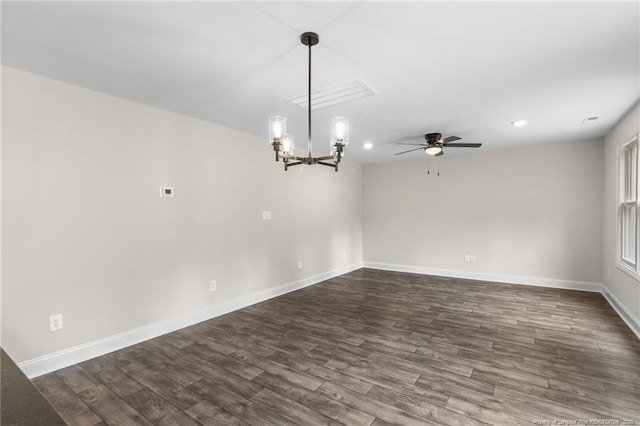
column 590, row 120
column 345, row 92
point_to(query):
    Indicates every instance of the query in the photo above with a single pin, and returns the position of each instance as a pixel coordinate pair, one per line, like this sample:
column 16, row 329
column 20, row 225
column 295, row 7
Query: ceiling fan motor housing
column 433, row 138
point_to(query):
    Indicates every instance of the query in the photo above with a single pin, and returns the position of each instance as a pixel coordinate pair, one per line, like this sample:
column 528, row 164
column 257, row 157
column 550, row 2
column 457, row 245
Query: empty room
column 320, row 213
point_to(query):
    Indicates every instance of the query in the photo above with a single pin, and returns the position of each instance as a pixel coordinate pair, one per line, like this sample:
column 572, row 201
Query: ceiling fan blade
column 439, row 154
column 416, row 144
column 463, row 145
column 414, row 149
column 451, row 139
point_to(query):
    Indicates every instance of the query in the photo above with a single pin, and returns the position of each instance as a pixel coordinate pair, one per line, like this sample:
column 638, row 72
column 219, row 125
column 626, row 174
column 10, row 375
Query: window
column 628, row 206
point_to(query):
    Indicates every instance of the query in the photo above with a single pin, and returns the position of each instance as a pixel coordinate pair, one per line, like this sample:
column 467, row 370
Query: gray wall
column 527, row 211
column 623, row 286
column 86, row 234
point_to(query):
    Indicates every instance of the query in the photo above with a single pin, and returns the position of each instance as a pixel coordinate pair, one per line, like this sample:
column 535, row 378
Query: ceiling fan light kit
column 433, row 149
column 435, row 144
column 283, row 143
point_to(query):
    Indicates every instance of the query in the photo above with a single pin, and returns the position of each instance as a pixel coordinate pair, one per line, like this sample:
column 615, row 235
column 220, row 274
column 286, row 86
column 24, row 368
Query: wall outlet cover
column 55, row 322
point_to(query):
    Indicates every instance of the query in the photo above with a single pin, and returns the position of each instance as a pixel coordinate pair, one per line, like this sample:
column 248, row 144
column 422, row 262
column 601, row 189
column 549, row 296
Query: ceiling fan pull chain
column 428, row 166
column 438, row 164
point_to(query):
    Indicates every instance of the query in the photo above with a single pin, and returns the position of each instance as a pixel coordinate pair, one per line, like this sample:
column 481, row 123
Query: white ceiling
column 465, row 69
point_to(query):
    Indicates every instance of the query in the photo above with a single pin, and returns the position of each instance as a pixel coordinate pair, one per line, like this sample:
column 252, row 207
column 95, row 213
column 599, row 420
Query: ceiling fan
column 435, row 143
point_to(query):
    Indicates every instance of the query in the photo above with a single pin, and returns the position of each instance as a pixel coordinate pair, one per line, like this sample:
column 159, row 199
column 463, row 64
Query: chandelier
column 282, row 142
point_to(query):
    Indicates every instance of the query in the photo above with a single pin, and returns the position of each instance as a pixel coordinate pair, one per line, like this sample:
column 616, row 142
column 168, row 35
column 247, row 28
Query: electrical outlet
column 266, row 215
column 299, row 266
column 467, row 258
column 213, row 285
column 473, row 258
column 55, row 322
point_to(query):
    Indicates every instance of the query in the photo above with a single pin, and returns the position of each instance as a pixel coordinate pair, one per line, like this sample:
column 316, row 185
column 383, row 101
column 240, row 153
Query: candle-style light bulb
column 277, row 128
column 340, row 131
column 287, row 144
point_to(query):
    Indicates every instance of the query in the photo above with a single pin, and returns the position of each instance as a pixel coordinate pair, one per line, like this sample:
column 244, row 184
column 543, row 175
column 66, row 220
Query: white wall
column 86, row 234
column 623, row 286
column 523, row 212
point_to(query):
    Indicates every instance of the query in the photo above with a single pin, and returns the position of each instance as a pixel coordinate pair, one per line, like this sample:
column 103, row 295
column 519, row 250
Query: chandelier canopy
column 283, row 143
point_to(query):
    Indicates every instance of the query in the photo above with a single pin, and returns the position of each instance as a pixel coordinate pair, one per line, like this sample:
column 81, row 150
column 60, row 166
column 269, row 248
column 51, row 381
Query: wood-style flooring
column 373, row 348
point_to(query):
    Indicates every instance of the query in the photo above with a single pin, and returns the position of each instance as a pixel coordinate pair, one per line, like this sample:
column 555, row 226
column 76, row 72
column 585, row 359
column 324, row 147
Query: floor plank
column 70, row 407
column 109, row 407
column 207, row 413
column 245, row 409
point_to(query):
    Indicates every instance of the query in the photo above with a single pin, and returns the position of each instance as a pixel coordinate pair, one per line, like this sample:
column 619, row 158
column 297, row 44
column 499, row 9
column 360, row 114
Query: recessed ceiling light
column 367, row 145
column 519, row 123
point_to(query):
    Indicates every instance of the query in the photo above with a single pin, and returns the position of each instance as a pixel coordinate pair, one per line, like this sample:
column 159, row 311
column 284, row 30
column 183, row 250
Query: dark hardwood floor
column 373, row 348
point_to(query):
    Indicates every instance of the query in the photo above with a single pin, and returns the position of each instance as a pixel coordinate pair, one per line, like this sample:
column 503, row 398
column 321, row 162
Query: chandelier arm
column 291, row 157
column 334, row 165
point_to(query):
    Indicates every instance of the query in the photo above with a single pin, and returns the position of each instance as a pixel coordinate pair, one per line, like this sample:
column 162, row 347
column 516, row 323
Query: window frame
column 628, row 185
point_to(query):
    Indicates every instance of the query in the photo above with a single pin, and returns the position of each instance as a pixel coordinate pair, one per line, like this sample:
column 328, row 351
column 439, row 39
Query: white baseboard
column 623, row 312
column 57, row 360
column 482, row 276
